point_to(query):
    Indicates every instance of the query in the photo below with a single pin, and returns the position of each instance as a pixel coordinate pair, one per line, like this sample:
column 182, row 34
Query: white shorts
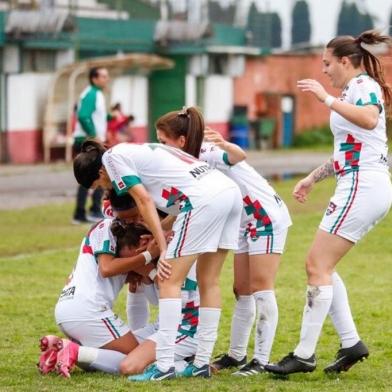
column 209, row 227
column 361, row 199
column 261, row 245
column 186, row 346
column 95, row 332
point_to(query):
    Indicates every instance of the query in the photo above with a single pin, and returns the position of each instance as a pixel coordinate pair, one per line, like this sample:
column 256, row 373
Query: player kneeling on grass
column 84, row 310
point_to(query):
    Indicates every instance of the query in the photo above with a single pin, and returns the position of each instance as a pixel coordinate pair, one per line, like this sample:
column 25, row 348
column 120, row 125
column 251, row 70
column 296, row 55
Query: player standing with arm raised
column 362, row 197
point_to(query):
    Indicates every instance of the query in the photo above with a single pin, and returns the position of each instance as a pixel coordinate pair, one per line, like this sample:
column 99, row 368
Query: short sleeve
column 102, row 240
column 366, row 91
column 121, row 170
column 214, row 156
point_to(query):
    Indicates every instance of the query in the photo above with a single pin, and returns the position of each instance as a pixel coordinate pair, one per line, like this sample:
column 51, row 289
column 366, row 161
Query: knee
column 241, row 288
column 315, row 268
column 130, row 367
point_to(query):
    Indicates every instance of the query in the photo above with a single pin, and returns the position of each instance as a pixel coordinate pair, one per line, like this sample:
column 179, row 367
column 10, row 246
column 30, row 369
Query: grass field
column 38, row 248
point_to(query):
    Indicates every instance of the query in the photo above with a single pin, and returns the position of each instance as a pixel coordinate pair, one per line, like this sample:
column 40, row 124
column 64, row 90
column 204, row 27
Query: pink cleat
column 50, row 345
column 67, row 358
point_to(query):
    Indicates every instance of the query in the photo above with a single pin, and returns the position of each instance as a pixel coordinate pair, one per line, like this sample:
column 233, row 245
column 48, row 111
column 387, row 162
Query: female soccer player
column 262, row 235
column 362, row 197
column 84, row 310
column 206, row 204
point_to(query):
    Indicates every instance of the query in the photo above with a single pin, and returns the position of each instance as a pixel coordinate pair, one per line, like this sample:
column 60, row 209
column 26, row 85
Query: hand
column 215, row 137
column 169, row 234
column 153, row 248
column 134, row 280
column 164, row 267
column 302, row 189
column 314, row 87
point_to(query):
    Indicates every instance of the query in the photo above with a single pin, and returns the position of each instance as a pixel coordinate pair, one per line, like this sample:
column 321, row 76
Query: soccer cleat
column 50, row 345
column 226, row 362
column 152, row 373
column 347, row 357
column 67, row 358
column 292, row 364
column 193, row 371
column 250, row 369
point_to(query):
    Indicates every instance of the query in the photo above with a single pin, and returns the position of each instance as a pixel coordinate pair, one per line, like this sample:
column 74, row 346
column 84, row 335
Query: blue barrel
column 239, row 134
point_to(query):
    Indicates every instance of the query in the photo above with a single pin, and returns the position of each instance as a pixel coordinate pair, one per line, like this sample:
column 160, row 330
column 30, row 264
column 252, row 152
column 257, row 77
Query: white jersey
column 87, row 294
column 264, row 211
column 356, row 148
column 177, row 181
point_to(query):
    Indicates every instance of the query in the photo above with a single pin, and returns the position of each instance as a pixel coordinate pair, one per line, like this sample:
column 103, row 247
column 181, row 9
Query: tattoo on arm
column 323, row 171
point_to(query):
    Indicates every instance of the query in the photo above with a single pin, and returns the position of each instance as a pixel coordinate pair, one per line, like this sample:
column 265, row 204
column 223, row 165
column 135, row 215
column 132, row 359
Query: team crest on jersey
column 121, row 185
column 331, row 208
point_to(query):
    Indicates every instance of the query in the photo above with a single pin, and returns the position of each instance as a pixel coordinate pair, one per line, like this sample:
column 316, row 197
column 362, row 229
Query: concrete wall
column 132, row 93
column 26, row 95
column 218, row 102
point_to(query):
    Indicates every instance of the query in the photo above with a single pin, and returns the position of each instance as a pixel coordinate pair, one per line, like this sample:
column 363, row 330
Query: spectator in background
column 91, row 123
column 118, row 126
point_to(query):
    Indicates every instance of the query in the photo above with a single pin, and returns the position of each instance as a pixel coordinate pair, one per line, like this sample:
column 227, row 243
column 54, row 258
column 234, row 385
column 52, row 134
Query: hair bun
column 92, row 145
column 117, row 228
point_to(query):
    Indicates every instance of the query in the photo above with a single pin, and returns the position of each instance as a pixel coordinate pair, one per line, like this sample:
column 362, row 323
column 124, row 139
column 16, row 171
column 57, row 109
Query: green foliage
column 314, row 137
column 31, row 283
column 351, row 21
column 300, row 28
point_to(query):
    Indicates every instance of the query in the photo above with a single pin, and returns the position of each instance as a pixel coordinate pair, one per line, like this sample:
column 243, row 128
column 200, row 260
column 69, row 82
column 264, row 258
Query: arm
column 149, row 213
column 304, row 186
column 363, row 116
column 85, row 112
column 167, row 223
column 110, row 265
column 235, row 153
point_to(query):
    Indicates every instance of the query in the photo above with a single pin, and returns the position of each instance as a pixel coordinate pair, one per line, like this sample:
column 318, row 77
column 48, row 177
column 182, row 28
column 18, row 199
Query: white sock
column 207, row 332
column 340, row 313
column 151, row 293
column 169, row 318
column 241, row 325
column 266, row 323
column 317, row 305
column 137, row 310
column 107, row 361
column 180, row 365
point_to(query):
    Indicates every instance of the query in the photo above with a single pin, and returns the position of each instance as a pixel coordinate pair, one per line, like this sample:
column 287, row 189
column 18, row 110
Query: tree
column 351, row 21
column 265, row 28
column 300, row 28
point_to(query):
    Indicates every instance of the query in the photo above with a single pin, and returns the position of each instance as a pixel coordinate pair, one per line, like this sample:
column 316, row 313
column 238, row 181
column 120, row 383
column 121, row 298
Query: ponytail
column 371, row 63
column 187, row 122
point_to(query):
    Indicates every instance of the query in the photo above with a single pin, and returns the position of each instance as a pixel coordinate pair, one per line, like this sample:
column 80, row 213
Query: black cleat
column 292, row 364
column 226, row 362
column 347, row 357
column 250, row 369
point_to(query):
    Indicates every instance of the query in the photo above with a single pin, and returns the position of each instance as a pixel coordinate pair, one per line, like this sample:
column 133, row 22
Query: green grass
column 39, row 248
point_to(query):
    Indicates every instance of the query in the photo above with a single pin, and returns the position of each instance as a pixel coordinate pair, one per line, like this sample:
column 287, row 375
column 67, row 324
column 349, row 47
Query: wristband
column 329, row 100
column 147, row 257
column 152, row 274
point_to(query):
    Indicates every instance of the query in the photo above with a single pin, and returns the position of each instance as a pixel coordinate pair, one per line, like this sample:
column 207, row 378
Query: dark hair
column 127, row 234
column 187, row 122
column 351, row 47
column 121, row 202
column 116, row 106
column 88, row 162
column 93, row 73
